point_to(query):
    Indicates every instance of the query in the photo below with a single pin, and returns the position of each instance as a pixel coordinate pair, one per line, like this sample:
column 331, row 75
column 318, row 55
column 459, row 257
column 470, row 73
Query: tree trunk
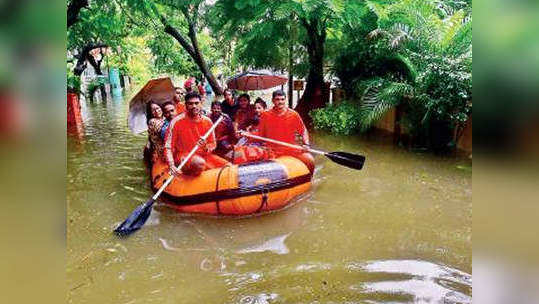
column 96, row 64
column 84, row 56
column 73, row 11
column 290, row 82
column 193, row 50
column 315, row 94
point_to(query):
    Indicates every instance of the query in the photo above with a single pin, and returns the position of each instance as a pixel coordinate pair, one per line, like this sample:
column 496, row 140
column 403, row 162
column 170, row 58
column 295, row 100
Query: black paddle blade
column 136, row 219
column 349, row 160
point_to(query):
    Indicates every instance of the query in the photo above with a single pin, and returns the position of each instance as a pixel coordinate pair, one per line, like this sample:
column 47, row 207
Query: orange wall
column 387, row 122
column 465, row 141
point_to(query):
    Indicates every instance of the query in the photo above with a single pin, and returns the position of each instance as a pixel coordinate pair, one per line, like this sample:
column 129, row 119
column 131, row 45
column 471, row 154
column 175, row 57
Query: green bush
column 342, row 118
column 94, row 85
column 73, row 82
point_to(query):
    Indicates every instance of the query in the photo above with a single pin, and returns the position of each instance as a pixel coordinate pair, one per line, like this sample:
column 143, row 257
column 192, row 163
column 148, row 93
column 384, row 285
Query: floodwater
column 398, row 231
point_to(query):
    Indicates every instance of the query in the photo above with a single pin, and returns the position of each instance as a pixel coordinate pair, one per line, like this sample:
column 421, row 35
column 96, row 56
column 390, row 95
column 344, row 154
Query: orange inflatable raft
column 235, row 189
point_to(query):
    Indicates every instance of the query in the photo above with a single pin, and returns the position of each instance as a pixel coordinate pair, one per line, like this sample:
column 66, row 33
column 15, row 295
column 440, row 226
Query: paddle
column 140, row 215
column 349, row 160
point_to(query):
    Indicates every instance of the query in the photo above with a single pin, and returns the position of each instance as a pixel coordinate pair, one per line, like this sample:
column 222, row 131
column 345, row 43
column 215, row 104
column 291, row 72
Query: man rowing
column 284, row 124
column 184, row 132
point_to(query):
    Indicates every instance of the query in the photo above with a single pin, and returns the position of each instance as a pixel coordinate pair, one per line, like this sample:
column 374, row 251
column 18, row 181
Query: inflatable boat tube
column 235, row 189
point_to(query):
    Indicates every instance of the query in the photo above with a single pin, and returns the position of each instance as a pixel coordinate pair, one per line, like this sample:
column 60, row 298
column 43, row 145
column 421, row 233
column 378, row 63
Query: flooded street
column 398, row 231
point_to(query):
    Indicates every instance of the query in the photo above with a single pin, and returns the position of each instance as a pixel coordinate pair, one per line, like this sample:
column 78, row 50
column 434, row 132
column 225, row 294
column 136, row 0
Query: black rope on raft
column 264, row 202
column 217, row 187
column 226, row 194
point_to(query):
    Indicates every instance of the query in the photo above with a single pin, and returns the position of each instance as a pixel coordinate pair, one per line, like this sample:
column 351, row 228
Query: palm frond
column 451, row 26
column 376, row 33
column 378, row 98
column 461, row 43
column 379, row 10
column 400, row 34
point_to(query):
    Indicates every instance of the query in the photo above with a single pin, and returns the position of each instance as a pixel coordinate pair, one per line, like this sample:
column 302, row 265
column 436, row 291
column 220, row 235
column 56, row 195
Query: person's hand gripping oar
column 349, row 160
column 140, row 215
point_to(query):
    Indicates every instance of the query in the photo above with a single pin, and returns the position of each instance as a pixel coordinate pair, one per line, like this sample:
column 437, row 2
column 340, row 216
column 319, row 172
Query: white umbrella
column 158, row 90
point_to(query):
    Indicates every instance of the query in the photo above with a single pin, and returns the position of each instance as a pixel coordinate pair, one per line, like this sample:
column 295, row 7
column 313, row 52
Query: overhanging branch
column 73, row 10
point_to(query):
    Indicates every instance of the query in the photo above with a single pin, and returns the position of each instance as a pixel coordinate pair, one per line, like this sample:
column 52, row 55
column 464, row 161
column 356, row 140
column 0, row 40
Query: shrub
column 94, row 85
column 342, row 118
column 73, row 82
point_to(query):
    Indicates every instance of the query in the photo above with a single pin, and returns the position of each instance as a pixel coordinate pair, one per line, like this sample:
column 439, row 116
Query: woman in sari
column 155, row 121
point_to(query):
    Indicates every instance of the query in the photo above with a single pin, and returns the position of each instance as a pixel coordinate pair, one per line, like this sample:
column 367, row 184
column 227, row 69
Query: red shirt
column 282, row 127
column 183, row 134
column 180, row 108
column 245, row 117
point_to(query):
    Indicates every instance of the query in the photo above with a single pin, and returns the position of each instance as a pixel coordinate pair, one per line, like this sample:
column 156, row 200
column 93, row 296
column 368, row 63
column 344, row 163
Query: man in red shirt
column 185, row 131
column 284, row 124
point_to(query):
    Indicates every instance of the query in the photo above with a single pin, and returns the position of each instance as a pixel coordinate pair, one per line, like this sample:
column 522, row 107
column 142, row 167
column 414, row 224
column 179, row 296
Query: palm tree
column 434, row 42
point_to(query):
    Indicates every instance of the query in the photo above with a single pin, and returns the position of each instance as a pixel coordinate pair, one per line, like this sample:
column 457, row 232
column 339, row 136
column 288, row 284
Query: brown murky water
column 399, row 231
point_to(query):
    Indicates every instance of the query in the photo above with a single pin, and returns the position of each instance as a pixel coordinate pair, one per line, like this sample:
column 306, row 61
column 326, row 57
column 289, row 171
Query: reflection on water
column 399, row 231
column 423, row 281
column 275, row 245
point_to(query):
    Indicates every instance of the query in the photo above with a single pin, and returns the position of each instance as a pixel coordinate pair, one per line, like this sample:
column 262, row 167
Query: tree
column 259, row 27
column 99, row 26
column 73, row 10
column 259, row 45
column 433, row 42
column 182, row 20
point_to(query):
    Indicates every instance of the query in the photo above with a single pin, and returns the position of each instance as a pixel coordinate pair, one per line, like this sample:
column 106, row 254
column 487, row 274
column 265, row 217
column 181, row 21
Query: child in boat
column 248, row 150
column 245, row 114
column 260, row 107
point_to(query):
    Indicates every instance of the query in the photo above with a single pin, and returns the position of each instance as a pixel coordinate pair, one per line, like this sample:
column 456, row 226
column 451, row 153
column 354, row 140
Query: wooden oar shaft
column 186, row 159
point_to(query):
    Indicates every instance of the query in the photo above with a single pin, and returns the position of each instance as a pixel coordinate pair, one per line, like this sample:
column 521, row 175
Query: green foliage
column 94, row 85
column 262, row 32
column 380, row 95
column 418, row 54
column 101, row 22
column 73, row 82
column 265, row 31
column 343, row 118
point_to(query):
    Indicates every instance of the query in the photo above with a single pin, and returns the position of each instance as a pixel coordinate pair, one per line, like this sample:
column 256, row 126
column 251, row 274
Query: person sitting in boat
column 284, row 124
column 224, row 132
column 245, row 115
column 184, row 132
column 155, row 121
column 260, row 107
column 248, row 150
column 229, row 106
column 180, row 106
column 169, row 112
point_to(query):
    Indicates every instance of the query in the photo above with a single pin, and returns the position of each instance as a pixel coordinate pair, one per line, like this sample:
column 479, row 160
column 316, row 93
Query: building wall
column 387, row 123
column 465, row 141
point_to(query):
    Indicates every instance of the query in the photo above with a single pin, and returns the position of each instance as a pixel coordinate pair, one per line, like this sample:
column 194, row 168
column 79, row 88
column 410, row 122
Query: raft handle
column 265, row 195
